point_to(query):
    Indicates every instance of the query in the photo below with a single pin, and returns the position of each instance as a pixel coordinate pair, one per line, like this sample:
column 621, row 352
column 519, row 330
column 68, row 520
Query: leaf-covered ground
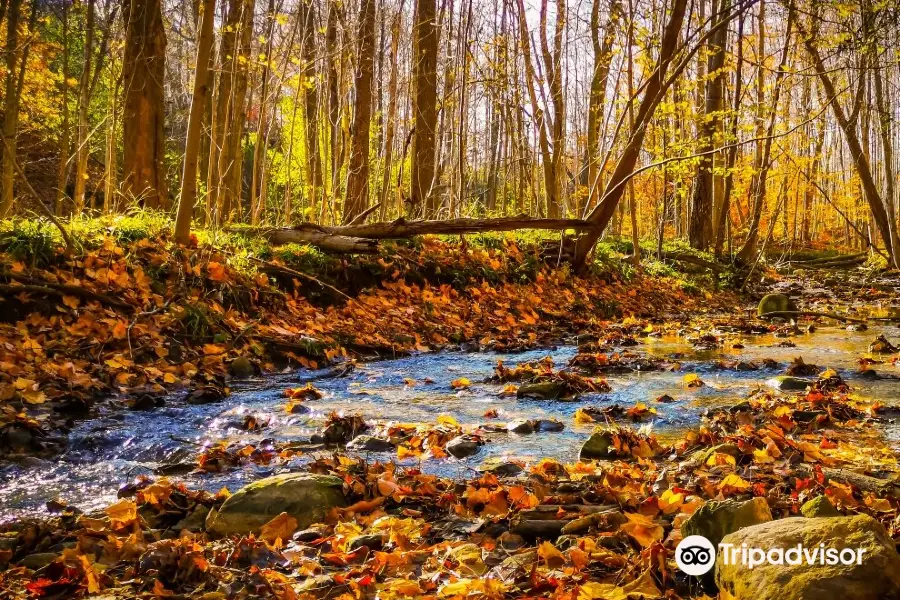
column 139, row 318
column 585, row 529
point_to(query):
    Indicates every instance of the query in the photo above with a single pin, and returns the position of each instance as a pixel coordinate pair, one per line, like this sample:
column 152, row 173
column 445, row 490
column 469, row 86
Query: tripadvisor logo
column 696, row 555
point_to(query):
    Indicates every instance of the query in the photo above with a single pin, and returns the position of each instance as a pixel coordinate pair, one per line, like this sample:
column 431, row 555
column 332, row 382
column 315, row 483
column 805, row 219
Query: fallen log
column 39, row 286
column 361, row 238
column 867, row 483
column 321, row 239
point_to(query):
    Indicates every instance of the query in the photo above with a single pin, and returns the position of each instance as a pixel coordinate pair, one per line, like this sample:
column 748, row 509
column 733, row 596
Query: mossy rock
column 716, row 519
column 775, row 303
column 599, row 446
column 241, row 368
column 305, row 496
column 547, row 390
column 875, row 576
column 820, row 506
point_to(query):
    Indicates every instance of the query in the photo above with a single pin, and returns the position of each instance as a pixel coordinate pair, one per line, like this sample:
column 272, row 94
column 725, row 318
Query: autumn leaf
column 279, row 529
column 122, row 514
column 550, row 555
column 460, row 383
column 733, row 484
column 216, row 271
column 643, row 529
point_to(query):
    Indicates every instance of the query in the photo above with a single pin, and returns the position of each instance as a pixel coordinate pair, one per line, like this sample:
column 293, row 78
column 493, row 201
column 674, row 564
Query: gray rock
column 370, row 443
column 599, row 445
column 551, row 425
column 820, row 506
column 787, row 383
column 38, row 560
column 500, row 468
column 463, row 446
column 195, row 521
column 522, row 426
column 775, row 303
column 877, row 576
column 305, row 496
column 372, row 542
column 241, row 368
column 716, row 519
column 548, row 390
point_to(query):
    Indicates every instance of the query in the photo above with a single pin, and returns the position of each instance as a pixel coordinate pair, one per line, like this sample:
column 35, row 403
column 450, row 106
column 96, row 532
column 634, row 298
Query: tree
column 10, row 109
column 701, row 225
column 143, row 73
column 358, row 176
column 654, row 90
column 425, row 44
column 188, row 197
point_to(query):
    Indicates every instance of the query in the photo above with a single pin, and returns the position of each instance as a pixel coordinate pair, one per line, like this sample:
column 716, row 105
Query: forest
column 449, row 299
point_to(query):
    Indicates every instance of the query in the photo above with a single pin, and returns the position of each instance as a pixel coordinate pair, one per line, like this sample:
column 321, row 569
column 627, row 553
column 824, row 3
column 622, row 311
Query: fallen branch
column 361, row 238
column 28, row 284
column 324, row 240
column 809, row 313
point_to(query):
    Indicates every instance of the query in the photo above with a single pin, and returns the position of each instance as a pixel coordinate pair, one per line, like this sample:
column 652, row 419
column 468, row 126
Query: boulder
column 370, row 443
column 241, row 368
column 522, row 426
column 787, row 383
column 874, row 576
column 775, row 303
column 305, row 496
column 500, row 467
column 547, row 390
column 599, row 445
column 820, row 506
column 463, row 446
column 552, row 425
column 716, row 519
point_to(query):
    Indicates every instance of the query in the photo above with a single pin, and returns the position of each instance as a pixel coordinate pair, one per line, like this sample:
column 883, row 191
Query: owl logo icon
column 695, row 555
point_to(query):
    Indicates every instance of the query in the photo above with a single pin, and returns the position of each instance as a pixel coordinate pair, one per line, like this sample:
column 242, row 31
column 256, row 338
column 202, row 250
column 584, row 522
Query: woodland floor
column 132, row 330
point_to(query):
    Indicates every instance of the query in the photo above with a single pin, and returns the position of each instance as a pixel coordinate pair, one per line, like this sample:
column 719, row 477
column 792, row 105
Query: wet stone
column 463, row 446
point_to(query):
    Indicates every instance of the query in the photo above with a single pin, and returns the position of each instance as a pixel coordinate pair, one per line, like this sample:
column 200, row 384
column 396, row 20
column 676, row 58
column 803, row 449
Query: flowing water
column 109, row 451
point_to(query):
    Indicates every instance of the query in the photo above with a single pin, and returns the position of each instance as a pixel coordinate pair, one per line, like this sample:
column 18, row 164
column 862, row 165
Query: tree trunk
column 82, row 148
column 701, row 226
column 748, row 252
column 143, row 72
column 392, row 113
column 425, row 44
column 188, row 197
column 10, row 110
column 721, row 226
column 358, row 177
column 653, row 94
column 260, row 146
column 597, row 100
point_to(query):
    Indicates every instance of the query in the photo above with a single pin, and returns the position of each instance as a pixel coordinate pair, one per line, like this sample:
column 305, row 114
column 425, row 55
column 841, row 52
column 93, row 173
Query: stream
column 106, row 452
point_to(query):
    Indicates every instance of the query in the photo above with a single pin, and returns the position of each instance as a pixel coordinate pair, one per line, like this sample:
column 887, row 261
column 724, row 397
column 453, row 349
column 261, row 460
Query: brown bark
column 358, row 176
column 143, row 71
column 597, row 100
column 425, row 44
column 10, row 110
column 188, row 197
column 701, row 224
column 402, row 228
